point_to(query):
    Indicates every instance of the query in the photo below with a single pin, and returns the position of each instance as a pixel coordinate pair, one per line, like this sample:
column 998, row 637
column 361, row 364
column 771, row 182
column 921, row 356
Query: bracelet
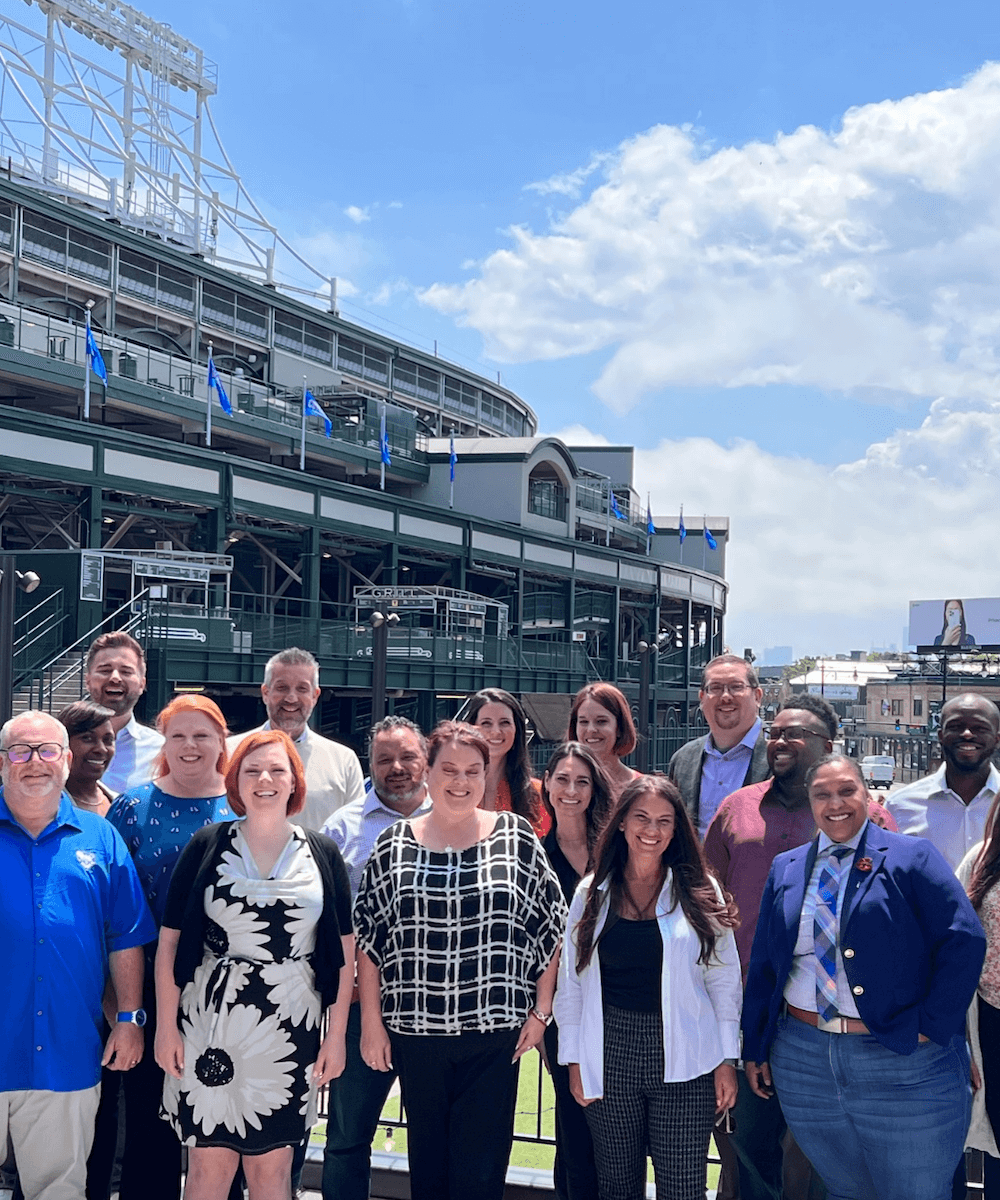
column 545, row 1018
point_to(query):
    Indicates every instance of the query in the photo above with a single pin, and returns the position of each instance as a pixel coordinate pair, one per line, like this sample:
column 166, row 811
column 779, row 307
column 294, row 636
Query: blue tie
column 825, row 927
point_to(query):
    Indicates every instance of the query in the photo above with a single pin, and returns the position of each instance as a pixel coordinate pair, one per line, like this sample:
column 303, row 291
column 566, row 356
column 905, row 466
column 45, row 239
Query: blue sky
column 756, row 241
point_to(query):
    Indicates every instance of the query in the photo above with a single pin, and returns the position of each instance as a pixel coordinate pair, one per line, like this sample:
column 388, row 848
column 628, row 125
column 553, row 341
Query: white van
column 879, row 770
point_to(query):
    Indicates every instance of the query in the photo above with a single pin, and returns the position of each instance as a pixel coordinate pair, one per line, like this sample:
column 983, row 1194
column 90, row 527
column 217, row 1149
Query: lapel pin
column 863, row 864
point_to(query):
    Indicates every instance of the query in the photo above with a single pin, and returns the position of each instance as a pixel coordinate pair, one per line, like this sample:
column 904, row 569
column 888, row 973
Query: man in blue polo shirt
column 72, row 911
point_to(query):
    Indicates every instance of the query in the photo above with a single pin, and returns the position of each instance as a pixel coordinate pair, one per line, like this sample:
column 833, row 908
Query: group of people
column 210, row 928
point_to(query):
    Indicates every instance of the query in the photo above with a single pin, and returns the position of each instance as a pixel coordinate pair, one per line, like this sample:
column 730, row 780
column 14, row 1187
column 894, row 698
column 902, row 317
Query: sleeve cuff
column 729, row 1036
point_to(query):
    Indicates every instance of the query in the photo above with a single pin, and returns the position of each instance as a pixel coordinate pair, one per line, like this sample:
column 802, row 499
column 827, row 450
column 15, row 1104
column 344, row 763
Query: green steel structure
column 218, row 554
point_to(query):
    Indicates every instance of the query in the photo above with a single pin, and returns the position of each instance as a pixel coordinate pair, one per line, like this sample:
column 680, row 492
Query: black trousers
column 574, row 1176
column 459, row 1094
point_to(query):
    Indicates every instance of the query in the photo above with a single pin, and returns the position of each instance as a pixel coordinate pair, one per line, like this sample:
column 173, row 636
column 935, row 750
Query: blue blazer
column 912, row 944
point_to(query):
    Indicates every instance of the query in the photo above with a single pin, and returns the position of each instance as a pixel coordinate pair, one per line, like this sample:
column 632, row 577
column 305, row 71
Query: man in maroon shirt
column 752, row 826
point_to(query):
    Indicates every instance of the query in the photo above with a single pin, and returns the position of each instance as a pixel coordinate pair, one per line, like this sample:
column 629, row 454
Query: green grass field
column 536, row 1155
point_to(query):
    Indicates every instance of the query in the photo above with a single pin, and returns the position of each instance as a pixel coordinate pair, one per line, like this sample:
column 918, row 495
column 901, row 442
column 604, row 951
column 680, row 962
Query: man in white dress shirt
column 115, row 676
column 333, row 773
column 950, row 807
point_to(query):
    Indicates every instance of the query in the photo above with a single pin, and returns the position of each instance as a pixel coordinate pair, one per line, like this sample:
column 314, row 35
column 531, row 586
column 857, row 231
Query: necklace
column 88, row 803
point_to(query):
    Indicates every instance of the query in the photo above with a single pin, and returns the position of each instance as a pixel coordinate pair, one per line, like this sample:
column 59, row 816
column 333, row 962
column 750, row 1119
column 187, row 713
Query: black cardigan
column 196, row 869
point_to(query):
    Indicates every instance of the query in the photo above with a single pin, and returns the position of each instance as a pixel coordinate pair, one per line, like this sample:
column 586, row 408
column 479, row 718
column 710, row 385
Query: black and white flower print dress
column 250, row 1018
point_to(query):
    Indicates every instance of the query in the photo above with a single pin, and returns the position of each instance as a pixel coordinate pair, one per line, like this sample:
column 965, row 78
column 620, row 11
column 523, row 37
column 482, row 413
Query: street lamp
column 380, row 624
column 10, row 580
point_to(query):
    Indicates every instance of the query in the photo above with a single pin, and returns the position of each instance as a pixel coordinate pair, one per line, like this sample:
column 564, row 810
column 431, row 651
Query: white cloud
column 356, row 214
column 568, row 184
column 865, row 260
column 827, row 558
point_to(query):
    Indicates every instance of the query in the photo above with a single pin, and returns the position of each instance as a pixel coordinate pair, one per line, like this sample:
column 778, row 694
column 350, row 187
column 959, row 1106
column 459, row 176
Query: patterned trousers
column 640, row 1115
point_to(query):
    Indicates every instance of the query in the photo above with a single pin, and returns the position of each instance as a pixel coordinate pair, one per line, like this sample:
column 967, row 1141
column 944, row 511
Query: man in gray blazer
column 734, row 751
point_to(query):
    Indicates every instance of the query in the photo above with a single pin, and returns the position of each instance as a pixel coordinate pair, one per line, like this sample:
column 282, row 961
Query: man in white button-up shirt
column 950, row 807
column 333, row 774
column 115, row 676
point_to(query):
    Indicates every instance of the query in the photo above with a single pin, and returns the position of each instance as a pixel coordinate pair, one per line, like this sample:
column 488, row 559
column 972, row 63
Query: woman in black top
column 577, row 796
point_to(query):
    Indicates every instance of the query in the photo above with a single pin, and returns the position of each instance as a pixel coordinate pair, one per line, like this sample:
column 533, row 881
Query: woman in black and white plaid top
column 458, row 919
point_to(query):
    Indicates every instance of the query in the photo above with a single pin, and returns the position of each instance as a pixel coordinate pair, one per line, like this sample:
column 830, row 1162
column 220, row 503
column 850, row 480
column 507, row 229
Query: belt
column 834, row 1025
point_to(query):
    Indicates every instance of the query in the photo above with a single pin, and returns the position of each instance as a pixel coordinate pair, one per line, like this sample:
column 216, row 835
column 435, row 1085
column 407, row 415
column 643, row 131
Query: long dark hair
column 986, row 870
column 692, row 886
column 517, row 764
column 601, row 800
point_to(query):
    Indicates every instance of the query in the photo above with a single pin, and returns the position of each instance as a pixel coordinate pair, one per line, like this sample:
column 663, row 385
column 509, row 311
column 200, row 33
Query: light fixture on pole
column 380, row 623
column 10, row 580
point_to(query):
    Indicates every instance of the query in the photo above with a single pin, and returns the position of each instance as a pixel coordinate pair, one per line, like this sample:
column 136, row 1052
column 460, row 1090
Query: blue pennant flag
column 313, row 410
column 710, row 538
column 650, row 527
column 96, row 359
column 383, row 443
column 215, row 382
column 615, row 510
column 681, row 531
column 452, row 459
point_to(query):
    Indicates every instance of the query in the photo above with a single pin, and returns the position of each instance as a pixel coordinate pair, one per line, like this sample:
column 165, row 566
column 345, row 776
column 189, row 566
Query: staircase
column 60, row 684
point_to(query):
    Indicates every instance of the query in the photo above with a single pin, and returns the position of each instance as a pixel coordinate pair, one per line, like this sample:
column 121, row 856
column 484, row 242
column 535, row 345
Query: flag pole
column 451, row 469
column 704, row 540
column 649, row 536
column 681, row 533
column 381, row 448
column 208, row 408
column 302, row 447
column 86, row 366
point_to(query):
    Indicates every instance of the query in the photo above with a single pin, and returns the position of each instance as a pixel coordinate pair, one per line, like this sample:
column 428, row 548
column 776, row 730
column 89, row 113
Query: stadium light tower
column 102, row 104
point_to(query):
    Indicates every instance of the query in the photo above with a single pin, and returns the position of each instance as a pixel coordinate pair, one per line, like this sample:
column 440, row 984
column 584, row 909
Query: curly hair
column 692, row 885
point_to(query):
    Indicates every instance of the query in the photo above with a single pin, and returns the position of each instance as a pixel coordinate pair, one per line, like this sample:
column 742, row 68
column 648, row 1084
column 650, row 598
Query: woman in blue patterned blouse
column 157, row 820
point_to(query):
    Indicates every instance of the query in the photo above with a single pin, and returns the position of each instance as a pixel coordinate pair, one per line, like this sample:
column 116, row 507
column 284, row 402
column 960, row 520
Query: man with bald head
column 950, row 807
column 71, row 913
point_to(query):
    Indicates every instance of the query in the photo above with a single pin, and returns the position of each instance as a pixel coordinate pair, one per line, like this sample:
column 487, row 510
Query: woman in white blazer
column 648, row 1003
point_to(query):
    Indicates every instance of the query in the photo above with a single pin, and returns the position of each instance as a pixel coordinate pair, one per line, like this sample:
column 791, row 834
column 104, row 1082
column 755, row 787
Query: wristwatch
column 545, row 1018
column 138, row 1017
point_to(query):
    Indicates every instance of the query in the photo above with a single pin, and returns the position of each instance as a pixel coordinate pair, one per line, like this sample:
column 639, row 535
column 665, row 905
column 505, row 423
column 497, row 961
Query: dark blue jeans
column 876, row 1125
column 356, row 1100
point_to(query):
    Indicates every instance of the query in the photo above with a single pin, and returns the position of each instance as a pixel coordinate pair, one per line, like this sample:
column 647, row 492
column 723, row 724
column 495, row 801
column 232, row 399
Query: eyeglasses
column 718, row 689
column 46, row 751
column 794, row 733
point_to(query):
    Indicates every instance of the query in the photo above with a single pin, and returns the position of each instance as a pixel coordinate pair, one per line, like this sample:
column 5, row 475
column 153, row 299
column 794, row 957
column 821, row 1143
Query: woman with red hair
column 157, row 820
column 601, row 720
column 256, row 942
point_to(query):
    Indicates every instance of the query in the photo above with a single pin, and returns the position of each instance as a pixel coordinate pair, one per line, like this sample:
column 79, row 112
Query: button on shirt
column 800, row 989
column 929, row 808
column 722, row 772
column 156, row 828
column 71, row 897
column 136, row 748
column 356, row 827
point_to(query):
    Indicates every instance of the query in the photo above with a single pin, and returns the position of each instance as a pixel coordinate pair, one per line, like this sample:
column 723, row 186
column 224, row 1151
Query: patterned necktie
column 825, row 931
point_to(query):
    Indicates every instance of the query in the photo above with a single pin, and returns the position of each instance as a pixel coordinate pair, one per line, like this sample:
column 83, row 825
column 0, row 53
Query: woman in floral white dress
column 253, row 947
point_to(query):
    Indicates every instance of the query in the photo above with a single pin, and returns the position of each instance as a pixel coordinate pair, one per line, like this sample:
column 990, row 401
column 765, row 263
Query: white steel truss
column 133, row 140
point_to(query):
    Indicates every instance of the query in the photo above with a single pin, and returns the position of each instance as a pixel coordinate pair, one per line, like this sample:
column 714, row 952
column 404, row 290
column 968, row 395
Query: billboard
column 955, row 622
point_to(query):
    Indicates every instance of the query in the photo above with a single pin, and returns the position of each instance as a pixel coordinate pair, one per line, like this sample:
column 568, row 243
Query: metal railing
column 63, row 339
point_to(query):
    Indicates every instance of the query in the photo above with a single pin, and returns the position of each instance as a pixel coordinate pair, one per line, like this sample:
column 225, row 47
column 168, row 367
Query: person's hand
column 532, row 1032
column 576, row 1086
column 974, row 1076
column 725, row 1087
column 168, row 1050
column 124, row 1047
column 376, row 1049
column 331, row 1060
column 759, row 1078
column 952, row 636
